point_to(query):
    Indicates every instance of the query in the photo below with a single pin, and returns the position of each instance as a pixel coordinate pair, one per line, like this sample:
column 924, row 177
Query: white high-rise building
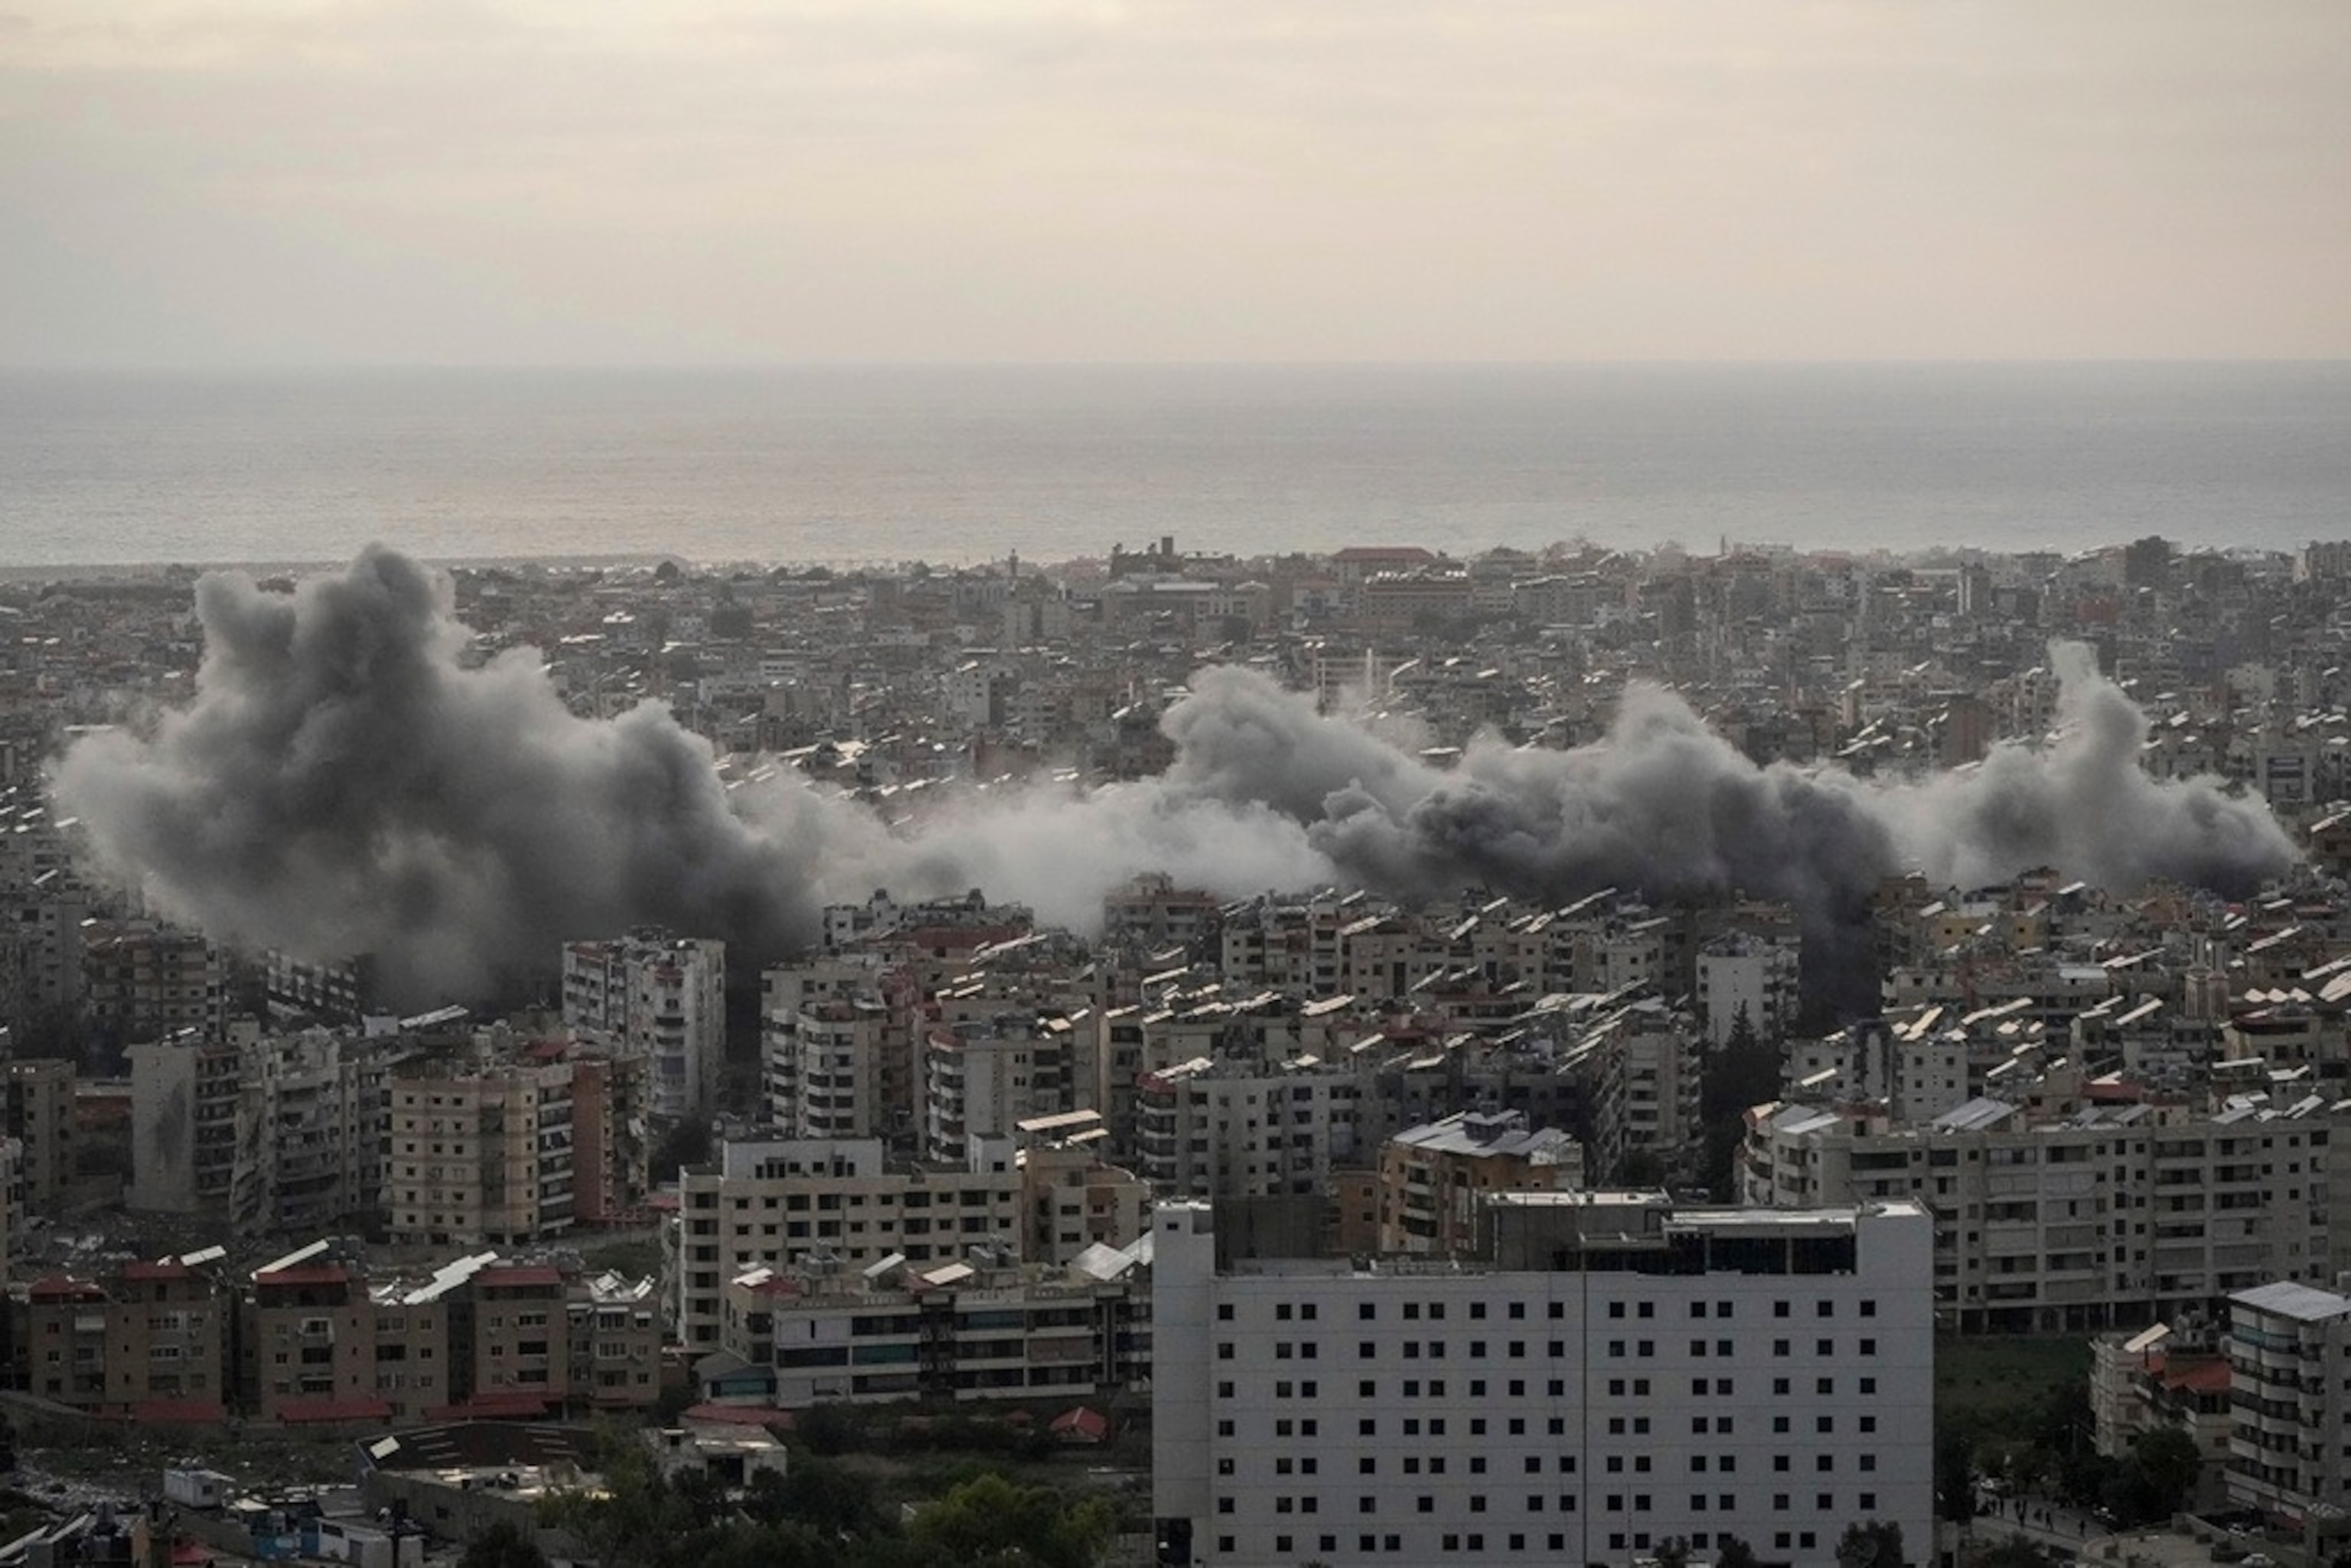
column 662, row 996
column 1617, row 1373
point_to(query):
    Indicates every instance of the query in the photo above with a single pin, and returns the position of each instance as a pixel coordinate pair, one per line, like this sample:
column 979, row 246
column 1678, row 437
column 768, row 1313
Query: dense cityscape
column 1919, row 988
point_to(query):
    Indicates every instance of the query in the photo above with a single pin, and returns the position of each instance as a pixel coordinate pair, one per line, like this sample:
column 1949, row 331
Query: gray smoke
column 1665, row 805
column 342, row 783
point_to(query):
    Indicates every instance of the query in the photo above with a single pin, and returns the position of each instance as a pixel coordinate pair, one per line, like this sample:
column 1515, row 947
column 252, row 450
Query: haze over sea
column 878, row 464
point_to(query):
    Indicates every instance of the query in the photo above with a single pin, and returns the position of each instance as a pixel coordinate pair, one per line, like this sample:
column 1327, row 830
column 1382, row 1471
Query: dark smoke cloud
column 343, row 784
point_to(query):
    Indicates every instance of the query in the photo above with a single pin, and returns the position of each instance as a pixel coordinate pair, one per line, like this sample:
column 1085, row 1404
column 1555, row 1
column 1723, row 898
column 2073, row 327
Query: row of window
column 1556, row 1541
column 1416, row 1312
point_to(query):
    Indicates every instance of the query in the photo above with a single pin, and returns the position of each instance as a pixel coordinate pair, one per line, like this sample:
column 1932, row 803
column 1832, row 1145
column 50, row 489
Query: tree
column 2159, row 1477
column 1744, row 1073
column 1730, row 1551
column 1673, row 1551
column 1955, row 1481
column 1875, row 1545
column 993, row 1523
column 2013, row 1553
column 503, row 1544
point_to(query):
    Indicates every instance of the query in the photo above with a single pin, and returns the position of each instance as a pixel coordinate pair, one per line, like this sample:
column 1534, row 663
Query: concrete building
column 1435, row 1179
column 946, row 1331
column 1231, row 1130
column 189, row 1123
column 2290, row 1450
column 660, row 995
column 983, row 1077
column 479, row 1154
column 1616, row 1372
column 840, row 1204
column 150, row 1344
column 145, row 981
column 1743, row 975
column 2165, row 1379
column 2106, row 1215
column 39, row 1113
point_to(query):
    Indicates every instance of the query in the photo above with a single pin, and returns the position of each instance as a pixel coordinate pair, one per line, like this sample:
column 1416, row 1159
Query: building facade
column 1616, row 1374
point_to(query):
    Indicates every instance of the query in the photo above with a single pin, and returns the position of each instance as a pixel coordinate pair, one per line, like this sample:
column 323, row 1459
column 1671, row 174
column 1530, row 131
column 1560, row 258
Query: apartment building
column 143, row 981
column 1435, row 1179
column 310, row 1341
column 148, row 1343
column 838, row 1028
column 610, row 1145
column 479, row 1154
column 2290, row 1446
column 982, row 1077
column 2107, row 1215
column 840, row 1202
column 190, row 1122
column 480, row 1336
column 662, row 996
column 313, row 1154
column 1741, row 975
column 1615, row 1372
column 2161, row 1378
column 946, row 1332
column 1206, row 1128
column 1643, row 1062
column 39, row 1113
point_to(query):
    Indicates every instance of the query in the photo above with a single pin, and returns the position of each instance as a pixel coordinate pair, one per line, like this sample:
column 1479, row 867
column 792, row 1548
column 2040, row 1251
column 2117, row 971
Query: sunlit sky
column 296, row 181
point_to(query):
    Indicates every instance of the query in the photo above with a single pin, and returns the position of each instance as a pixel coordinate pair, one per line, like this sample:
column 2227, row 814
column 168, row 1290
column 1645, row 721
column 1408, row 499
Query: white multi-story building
column 1743, row 975
column 946, row 1331
column 983, row 1077
column 662, row 996
column 1619, row 1373
column 841, row 1203
column 844, row 995
column 2290, row 1450
column 1211, row 1129
column 2108, row 1216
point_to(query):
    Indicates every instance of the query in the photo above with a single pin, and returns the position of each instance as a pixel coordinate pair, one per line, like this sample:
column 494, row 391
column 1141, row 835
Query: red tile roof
column 191, row 1411
column 520, row 1274
column 296, row 1412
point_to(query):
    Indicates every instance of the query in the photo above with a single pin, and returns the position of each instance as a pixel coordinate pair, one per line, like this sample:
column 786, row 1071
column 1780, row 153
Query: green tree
column 1955, row 1483
column 1730, row 1551
column 503, row 1544
column 1744, row 1073
column 829, row 1499
column 994, row 1523
column 2159, row 1477
column 1673, row 1551
column 1875, row 1545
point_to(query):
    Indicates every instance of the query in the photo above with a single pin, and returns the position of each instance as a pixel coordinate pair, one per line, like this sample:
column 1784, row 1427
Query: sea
column 853, row 465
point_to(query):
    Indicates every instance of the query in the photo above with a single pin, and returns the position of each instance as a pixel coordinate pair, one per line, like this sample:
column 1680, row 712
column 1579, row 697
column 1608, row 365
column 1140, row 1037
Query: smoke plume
column 343, row 783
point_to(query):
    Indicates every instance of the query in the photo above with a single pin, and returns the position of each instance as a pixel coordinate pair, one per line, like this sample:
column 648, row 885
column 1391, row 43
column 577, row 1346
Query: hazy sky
column 583, row 181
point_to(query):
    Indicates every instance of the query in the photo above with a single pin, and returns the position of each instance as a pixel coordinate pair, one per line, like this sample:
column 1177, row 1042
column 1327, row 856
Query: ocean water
column 959, row 465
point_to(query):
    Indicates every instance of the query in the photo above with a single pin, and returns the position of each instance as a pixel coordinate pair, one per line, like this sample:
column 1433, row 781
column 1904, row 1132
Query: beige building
column 150, row 1344
column 143, row 981
column 1435, row 1179
column 479, row 1155
column 662, row 996
column 840, row 1205
column 40, row 1115
column 2106, row 1215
